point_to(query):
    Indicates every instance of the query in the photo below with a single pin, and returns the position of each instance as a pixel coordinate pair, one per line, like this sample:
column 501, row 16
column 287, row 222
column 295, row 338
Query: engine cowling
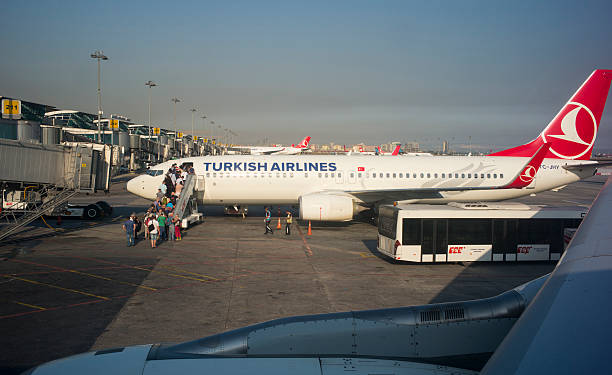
column 326, row 207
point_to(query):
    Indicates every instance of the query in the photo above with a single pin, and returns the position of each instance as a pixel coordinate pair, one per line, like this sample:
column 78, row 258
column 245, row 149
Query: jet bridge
column 41, row 178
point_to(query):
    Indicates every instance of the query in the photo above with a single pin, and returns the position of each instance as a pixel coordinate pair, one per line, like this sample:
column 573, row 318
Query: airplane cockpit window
column 154, row 172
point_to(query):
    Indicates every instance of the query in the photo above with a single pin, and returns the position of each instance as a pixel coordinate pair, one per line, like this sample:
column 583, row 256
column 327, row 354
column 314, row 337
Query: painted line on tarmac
column 366, row 255
column 191, row 273
column 28, row 305
column 82, row 273
column 59, row 287
column 306, row 246
column 50, row 309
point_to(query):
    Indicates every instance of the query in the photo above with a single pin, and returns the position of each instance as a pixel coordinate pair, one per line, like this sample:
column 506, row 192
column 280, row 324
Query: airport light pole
column 203, row 123
column 193, row 111
column 99, row 55
column 151, row 84
column 175, row 100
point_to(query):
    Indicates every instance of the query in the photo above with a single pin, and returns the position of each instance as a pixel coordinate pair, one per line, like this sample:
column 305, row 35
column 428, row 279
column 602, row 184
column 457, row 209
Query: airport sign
column 113, row 124
column 156, row 131
column 11, row 109
column 179, row 135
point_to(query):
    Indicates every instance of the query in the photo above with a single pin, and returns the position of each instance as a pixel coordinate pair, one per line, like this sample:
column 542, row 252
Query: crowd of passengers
column 160, row 221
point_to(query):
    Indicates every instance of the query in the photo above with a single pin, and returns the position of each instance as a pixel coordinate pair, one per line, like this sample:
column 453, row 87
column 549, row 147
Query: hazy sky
column 341, row 71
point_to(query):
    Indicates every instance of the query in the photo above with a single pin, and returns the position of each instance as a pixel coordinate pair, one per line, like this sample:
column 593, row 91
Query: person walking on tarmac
column 268, row 219
column 288, row 222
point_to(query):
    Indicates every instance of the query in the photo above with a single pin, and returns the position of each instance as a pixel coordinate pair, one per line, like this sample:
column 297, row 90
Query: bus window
column 469, row 231
column 428, row 236
column 411, row 232
column 441, row 236
column 387, row 223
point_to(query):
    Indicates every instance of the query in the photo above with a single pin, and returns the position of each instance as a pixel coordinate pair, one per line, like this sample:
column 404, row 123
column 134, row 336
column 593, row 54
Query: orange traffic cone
column 309, row 228
column 279, row 224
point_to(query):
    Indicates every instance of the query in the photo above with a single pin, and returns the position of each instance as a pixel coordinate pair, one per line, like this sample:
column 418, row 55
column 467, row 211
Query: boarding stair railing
column 31, row 208
column 186, row 200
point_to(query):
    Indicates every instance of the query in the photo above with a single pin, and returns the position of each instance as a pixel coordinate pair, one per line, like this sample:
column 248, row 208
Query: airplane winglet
column 528, row 173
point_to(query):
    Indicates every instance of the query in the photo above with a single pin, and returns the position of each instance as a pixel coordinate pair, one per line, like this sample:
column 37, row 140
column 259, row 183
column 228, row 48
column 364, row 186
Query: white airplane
column 336, row 187
column 281, row 150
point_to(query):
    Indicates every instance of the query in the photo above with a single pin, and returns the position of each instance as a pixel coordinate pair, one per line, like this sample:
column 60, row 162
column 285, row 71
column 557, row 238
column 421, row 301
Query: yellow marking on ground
column 171, row 274
column 109, row 279
column 60, row 288
column 117, row 218
column 191, row 273
column 92, row 224
column 28, row 305
column 366, row 255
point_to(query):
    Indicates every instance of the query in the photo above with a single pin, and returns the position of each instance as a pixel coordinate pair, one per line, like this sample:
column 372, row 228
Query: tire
column 108, row 210
column 91, row 212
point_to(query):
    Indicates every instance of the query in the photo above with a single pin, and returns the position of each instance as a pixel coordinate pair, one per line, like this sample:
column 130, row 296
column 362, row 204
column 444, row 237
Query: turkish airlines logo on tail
column 576, row 132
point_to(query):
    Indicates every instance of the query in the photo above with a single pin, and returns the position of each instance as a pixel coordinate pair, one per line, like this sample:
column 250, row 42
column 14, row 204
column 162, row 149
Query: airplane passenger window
column 320, row 175
column 435, row 175
column 214, row 175
column 422, row 175
column 414, row 175
column 488, row 175
column 428, row 175
column 333, row 175
column 367, row 175
column 469, row 175
column 277, row 175
column 494, row 175
column 270, row 175
column 401, row 175
column 291, row 174
column 358, row 175
column 306, row 175
column 326, row 175
column 352, row 174
column 394, row 175
column 462, row 175
column 255, row 175
column 284, row 175
column 482, row 175
column 339, row 174
column 456, row 175
column 443, row 175
column 207, row 174
column 373, row 175
column 501, row 175
column 388, row 175
column 380, row 175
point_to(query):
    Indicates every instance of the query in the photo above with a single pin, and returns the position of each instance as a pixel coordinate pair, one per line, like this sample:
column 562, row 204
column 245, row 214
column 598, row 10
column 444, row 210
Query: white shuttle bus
column 470, row 232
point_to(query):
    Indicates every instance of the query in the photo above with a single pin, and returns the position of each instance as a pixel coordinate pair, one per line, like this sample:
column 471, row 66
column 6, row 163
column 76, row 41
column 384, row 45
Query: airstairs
column 187, row 206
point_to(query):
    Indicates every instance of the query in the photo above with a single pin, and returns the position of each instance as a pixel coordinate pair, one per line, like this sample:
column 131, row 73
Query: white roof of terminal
column 64, row 111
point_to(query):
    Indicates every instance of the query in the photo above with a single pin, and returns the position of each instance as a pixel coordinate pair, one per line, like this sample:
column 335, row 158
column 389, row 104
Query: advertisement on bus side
column 469, row 253
column 532, row 251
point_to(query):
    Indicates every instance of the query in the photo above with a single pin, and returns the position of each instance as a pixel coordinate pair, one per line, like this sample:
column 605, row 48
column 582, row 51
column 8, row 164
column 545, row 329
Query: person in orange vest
column 288, row 222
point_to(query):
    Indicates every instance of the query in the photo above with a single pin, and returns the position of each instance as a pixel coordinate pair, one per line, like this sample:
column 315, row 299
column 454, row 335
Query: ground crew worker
column 289, row 220
column 268, row 219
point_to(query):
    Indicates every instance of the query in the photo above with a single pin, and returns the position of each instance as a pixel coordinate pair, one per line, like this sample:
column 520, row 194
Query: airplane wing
column 271, row 152
column 566, row 328
column 520, row 180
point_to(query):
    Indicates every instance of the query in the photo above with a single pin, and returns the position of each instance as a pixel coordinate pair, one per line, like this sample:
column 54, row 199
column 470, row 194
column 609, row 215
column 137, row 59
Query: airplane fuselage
column 248, row 179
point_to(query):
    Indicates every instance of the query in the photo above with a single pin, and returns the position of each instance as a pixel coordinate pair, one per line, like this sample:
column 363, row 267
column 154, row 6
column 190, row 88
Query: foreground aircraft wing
column 566, row 328
column 520, row 180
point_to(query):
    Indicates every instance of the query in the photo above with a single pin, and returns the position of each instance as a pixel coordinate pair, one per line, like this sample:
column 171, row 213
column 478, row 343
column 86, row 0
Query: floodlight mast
column 99, row 55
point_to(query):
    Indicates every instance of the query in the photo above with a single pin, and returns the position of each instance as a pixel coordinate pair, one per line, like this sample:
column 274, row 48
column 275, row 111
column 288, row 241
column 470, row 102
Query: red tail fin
column 574, row 128
column 396, row 151
column 305, row 142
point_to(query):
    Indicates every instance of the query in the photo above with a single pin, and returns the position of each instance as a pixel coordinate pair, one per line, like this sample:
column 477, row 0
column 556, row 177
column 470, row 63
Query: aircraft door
column 200, row 187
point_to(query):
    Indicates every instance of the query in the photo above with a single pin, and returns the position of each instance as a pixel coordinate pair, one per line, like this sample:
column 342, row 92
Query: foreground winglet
column 528, row 173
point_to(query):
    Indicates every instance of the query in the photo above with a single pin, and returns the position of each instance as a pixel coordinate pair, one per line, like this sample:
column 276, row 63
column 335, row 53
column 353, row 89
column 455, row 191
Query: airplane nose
column 135, row 186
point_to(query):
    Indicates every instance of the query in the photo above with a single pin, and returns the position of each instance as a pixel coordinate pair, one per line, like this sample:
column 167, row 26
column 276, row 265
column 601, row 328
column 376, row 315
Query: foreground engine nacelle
column 326, row 207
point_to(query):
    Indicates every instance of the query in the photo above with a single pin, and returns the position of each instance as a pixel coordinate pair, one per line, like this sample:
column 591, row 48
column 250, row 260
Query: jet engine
column 326, row 207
